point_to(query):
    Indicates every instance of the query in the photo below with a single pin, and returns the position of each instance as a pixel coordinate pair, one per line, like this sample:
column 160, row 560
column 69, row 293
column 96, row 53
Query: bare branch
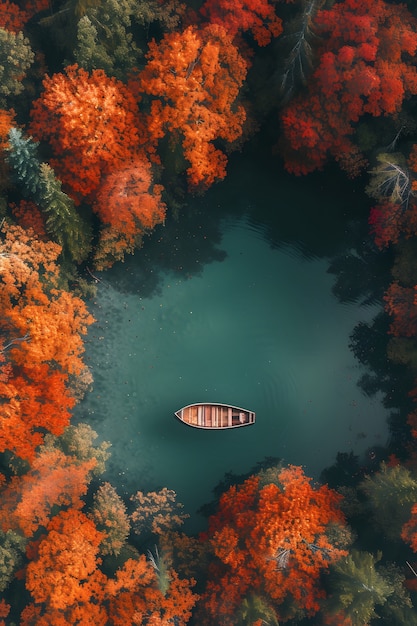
column 300, row 58
column 15, row 341
column 390, row 180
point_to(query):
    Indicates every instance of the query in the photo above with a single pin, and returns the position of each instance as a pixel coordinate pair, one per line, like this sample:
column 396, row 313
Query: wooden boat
column 215, row 416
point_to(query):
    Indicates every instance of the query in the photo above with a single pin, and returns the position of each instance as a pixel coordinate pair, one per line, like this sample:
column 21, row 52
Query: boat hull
column 215, row 416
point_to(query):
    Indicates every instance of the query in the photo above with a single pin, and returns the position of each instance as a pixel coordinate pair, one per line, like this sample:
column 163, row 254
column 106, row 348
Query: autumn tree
column 389, row 222
column 31, row 7
column 392, row 184
column 34, row 399
column 135, row 596
column 241, row 16
column 363, row 68
column 68, row 587
column 55, row 326
column 90, row 122
column 131, row 597
column 65, row 559
column 129, row 205
column 4, row 611
column 41, row 329
column 12, row 17
column 193, row 79
column 274, row 540
column 53, row 482
column 401, row 305
column 29, row 216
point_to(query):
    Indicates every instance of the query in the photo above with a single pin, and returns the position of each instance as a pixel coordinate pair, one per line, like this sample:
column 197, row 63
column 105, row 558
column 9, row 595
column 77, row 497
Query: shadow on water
column 319, row 216
column 183, row 246
column 313, row 214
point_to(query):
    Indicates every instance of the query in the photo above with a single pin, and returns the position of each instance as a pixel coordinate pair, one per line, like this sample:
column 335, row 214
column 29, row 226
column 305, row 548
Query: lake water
column 217, row 307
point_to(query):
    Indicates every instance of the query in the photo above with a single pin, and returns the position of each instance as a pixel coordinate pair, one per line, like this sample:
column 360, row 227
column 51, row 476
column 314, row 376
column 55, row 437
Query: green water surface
column 229, row 318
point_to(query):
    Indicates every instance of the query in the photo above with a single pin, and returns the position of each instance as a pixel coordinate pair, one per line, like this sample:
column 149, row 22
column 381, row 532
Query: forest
column 112, row 114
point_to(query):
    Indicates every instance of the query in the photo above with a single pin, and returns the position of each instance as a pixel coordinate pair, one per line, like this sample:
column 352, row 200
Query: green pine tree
column 89, row 52
column 23, row 160
column 391, row 492
column 111, row 33
column 63, row 222
column 38, row 182
column 104, row 40
column 398, row 610
column 356, row 588
column 253, row 608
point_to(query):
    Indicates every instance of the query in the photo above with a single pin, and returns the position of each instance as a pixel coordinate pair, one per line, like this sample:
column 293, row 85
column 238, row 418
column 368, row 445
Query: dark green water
column 219, row 309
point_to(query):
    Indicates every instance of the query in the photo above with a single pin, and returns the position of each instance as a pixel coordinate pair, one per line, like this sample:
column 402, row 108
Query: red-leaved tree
column 240, row 16
column 365, row 67
column 272, row 540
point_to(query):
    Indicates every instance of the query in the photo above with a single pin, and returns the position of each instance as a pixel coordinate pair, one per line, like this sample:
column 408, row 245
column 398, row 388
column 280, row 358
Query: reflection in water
column 257, row 327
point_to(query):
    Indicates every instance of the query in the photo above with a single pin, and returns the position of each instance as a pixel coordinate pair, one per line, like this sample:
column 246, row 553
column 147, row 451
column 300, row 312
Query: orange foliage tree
column 194, row 78
column 134, row 597
column 91, row 122
column 54, row 480
column 102, row 147
column 364, row 68
column 68, row 587
column 65, row 559
column 34, row 399
column 129, row 205
column 34, row 306
column 41, row 331
column 273, row 540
